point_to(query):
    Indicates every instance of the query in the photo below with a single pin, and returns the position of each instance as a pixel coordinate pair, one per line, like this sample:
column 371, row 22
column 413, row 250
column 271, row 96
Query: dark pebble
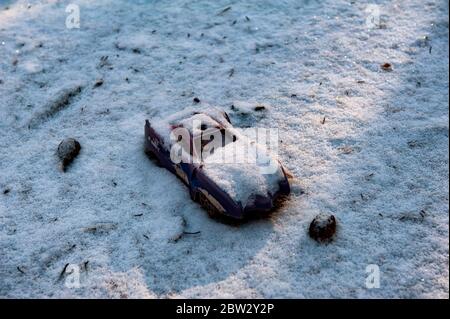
column 323, row 227
column 68, row 149
column 386, row 67
column 98, row 83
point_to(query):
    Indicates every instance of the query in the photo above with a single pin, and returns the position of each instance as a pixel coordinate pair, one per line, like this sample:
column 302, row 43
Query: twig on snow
column 224, row 10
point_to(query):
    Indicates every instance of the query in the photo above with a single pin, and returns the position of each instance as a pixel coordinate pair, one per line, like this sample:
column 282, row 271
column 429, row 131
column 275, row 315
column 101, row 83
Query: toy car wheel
column 206, row 204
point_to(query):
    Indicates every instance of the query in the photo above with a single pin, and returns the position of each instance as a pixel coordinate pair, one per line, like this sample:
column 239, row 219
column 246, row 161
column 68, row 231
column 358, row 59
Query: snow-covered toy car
column 226, row 172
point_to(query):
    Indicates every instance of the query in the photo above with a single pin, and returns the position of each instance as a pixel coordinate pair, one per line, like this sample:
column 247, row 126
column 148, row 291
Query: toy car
column 234, row 176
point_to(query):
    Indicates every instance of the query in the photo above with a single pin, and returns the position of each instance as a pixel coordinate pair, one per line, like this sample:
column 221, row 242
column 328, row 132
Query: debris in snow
column 248, row 112
column 386, row 67
column 104, row 62
column 63, row 271
column 196, row 100
column 224, row 10
column 68, row 149
column 6, row 191
column 191, row 233
column 100, row 228
column 20, row 270
column 98, row 82
column 242, row 107
column 323, row 227
column 179, row 235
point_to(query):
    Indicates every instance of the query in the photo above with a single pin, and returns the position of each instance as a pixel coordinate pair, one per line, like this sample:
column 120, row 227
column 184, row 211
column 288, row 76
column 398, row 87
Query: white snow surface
column 367, row 145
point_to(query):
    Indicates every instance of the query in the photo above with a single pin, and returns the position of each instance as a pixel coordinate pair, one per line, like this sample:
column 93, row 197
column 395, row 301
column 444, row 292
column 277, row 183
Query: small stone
column 386, row 67
column 323, row 227
column 98, row 83
column 260, row 108
column 196, row 100
column 68, row 149
column 6, row 191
